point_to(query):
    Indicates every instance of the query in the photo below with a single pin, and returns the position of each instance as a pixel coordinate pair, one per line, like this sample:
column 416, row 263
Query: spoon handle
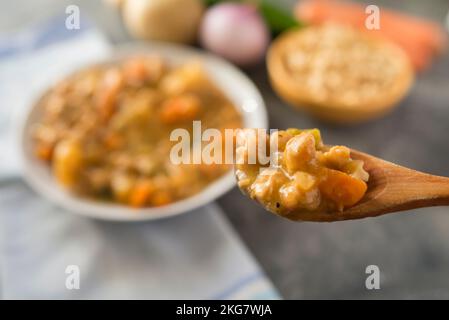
column 437, row 190
column 420, row 190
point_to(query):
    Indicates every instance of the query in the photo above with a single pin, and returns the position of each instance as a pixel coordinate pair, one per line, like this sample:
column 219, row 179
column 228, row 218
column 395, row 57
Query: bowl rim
column 33, row 170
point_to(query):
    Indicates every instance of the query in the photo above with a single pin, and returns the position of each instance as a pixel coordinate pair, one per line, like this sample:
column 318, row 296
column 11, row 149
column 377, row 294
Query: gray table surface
column 306, row 260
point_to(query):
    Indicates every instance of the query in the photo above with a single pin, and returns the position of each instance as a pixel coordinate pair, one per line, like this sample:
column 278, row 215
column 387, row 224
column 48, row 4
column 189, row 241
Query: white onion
column 236, row 32
column 165, row 20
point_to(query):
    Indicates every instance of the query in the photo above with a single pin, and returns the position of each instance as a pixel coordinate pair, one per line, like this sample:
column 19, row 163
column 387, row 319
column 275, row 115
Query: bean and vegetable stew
column 305, row 176
column 105, row 131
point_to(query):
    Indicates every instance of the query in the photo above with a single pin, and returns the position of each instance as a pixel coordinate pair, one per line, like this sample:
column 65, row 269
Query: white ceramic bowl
column 232, row 82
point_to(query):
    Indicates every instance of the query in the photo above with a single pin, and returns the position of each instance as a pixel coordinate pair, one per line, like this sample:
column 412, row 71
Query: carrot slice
column 161, row 198
column 44, row 152
column 141, row 193
column 180, row 109
column 341, row 188
column 419, row 38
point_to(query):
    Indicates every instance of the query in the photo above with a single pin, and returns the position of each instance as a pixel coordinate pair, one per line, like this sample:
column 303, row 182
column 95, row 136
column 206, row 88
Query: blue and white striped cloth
column 192, row 256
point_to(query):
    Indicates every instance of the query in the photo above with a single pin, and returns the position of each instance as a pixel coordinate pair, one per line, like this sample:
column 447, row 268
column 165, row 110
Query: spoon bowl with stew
column 390, row 188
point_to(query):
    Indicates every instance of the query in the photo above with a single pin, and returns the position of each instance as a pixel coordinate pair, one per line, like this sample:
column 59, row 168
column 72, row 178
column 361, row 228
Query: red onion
column 236, row 32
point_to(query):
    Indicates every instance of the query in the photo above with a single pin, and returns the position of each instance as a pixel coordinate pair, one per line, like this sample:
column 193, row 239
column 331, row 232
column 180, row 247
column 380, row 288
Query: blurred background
column 328, row 261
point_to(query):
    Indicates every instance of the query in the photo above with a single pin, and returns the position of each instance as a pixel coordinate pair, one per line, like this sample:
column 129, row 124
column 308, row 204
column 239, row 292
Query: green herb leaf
column 212, row 2
column 277, row 19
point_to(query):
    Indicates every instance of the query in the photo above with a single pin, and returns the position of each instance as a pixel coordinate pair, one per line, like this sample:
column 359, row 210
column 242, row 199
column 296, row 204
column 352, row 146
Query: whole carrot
column 419, row 38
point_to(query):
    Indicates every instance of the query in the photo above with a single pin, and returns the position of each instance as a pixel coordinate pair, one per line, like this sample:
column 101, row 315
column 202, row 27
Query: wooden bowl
column 333, row 107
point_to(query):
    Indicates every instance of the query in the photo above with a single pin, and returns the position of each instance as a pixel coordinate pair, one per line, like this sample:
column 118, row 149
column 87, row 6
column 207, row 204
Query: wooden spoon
column 391, row 188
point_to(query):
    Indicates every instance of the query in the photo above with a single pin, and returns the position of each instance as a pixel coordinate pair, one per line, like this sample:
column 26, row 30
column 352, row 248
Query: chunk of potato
column 301, row 192
column 293, row 198
column 122, row 185
column 336, row 158
column 267, row 184
column 67, row 162
column 299, row 152
column 316, row 134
